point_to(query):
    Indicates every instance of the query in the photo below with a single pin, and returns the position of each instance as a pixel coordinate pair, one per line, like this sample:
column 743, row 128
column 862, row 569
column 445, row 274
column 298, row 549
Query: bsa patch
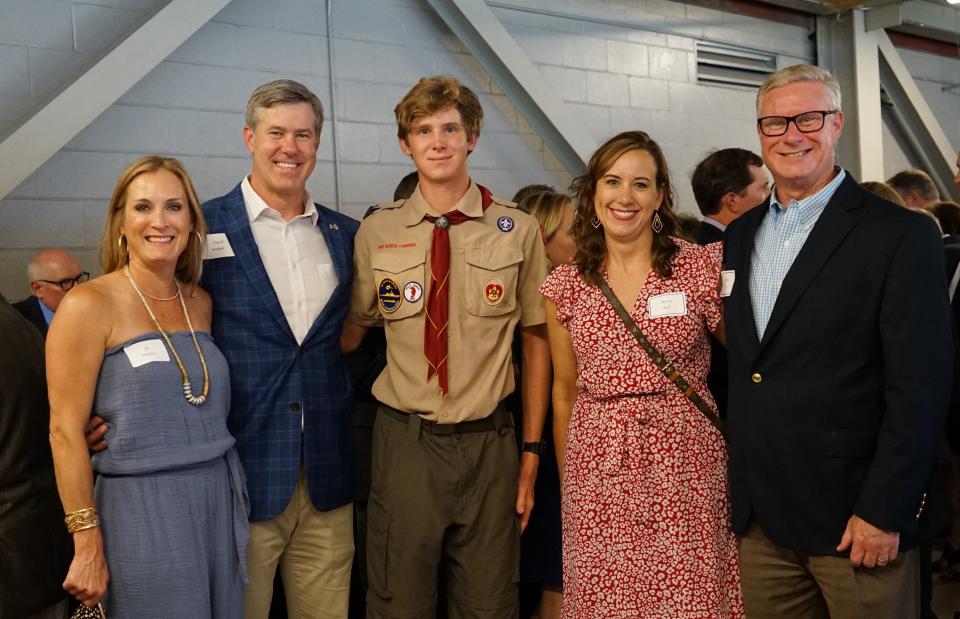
column 493, row 291
column 505, row 224
column 412, row 291
column 389, row 295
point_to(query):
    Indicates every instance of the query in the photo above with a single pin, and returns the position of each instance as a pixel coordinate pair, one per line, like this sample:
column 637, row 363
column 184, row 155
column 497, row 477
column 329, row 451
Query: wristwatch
column 536, row 447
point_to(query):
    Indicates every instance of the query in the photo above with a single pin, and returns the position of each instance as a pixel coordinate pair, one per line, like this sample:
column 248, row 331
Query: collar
column 470, row 204
column 256, row 206
column 818, row 200
column 713, row 222
column 46, row 311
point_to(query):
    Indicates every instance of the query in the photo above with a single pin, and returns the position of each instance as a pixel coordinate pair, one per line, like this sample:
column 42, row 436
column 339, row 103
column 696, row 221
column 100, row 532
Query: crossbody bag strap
column 669, row 370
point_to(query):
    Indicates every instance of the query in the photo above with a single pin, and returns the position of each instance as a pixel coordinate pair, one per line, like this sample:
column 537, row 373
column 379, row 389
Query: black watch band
column 536, row 447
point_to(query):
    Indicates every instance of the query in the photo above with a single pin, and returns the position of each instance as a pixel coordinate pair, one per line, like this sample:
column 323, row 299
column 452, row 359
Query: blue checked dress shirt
column 777, row 243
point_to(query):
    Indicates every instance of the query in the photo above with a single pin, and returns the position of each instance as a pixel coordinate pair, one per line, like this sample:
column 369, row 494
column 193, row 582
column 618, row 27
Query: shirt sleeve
column 707, row 280
column 559, row 290
column 364, row 309
column 533, row 270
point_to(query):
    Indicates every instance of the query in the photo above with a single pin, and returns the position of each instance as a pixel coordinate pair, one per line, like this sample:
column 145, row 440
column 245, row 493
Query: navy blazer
column 836, row 411
column 29, row 308
column 273, row 379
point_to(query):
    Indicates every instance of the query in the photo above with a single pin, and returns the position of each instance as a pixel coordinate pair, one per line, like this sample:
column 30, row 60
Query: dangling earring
column 657, row 223
column 199, row 237
column 595, row 222
column 123, row 250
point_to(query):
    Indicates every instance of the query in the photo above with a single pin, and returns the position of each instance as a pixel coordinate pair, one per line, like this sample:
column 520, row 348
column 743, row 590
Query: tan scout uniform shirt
column 497, row 263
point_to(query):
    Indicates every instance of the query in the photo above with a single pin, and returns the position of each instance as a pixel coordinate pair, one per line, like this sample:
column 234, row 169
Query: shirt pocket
column 490, row 280
column 399, row 278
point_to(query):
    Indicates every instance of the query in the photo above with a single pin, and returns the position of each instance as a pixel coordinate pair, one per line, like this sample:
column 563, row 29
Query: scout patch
column 389, row 296
column 412, row 292
column 505, row 224
column 493, row 292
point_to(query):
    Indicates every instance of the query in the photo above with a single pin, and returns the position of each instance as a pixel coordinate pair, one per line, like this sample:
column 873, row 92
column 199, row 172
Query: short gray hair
column 279, row 92
column 802, row 73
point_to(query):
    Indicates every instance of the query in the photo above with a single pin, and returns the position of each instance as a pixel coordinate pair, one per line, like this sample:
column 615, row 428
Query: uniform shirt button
column 757, row 377
column 445, row 414
column 295, row 406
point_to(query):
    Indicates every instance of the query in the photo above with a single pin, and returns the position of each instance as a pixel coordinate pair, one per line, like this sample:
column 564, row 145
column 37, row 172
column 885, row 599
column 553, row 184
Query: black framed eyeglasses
column 68, row 283
column 808, row 122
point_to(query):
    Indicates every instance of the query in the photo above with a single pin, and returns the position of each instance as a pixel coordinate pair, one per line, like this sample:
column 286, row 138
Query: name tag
column 726, row 282
column 217, row 246
column 145, row 352
column 669, row 304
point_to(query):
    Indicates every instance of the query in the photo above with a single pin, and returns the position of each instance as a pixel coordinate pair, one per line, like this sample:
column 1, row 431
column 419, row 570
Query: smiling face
column 627, row 196
column 438, row 145
column 801, row 163
column 157, row 222
column 284, row 144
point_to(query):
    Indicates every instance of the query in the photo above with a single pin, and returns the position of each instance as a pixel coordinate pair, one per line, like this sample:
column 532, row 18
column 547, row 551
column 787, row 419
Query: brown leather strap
column 669, row 370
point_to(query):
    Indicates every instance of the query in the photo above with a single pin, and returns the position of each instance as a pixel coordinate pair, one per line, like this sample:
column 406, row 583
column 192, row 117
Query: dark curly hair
column 591, row 246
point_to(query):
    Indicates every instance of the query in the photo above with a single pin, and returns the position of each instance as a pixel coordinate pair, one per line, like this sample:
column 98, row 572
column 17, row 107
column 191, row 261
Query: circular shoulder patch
column 389, row 295
column 505, row 224
column 412, row 291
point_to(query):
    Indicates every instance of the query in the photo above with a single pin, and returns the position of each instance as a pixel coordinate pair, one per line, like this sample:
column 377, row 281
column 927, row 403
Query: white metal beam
column 513, row 71
column 850, row 52
column 62, row 118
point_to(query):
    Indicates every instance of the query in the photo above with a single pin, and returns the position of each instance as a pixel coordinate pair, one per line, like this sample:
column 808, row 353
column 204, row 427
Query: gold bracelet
column 81, row 519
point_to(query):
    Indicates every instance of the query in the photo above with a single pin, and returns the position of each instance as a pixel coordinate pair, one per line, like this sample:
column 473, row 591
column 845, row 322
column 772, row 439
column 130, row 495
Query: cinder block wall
column 619, row 64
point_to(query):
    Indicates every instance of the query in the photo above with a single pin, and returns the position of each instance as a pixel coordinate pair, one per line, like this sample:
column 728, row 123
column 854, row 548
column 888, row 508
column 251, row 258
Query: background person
column 52, row 273
column 645, row 510
column 168, row 529
column 915, row 187
column 726, row 184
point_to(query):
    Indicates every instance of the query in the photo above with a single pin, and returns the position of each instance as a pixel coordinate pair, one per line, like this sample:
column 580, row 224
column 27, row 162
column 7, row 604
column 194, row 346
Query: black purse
column 668, row 369
column 86, row 612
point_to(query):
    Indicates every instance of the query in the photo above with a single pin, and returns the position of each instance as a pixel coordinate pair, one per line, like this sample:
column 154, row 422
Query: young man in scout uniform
column 450, row 272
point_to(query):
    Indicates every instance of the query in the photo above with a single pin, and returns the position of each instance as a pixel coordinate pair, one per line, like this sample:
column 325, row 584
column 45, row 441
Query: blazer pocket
column 848, row 443
column 399, row 277
column 490, row 280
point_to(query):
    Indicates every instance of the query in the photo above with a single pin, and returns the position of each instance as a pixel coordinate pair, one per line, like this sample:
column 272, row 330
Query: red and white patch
column 493, row 292
column 412, row 291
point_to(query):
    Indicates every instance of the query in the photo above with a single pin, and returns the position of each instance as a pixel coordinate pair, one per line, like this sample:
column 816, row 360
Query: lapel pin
column 334, row 226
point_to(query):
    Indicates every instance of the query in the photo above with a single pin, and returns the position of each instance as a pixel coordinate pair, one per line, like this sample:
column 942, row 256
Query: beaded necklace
column 187, row 391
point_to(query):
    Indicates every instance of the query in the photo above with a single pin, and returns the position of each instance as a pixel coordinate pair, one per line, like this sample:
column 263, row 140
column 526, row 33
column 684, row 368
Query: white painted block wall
column 619, row 64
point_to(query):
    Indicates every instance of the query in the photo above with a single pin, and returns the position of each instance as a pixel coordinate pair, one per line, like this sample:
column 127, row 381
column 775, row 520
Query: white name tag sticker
column 669, row 304
column 217, row 246
column 145, row 352
column 726, row 282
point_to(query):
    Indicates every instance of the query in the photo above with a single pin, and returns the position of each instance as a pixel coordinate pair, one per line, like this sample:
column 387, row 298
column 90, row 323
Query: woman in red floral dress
column 645, row 507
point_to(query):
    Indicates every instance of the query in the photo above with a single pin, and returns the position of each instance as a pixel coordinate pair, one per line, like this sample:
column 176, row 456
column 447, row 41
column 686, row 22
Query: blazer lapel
column 833, row 225
column 237, row 225
column 741, row 305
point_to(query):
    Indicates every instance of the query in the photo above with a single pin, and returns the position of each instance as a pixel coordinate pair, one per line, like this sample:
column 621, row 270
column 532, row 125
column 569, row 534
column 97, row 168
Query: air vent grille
column 736, row 66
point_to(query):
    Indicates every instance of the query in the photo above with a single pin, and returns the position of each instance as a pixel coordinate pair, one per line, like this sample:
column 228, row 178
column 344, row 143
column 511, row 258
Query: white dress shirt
column 296, row 258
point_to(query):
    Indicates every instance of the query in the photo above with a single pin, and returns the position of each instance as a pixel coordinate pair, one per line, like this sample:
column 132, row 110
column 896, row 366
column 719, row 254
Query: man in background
column 726, row 184
column 52, row 273
column 915, row 187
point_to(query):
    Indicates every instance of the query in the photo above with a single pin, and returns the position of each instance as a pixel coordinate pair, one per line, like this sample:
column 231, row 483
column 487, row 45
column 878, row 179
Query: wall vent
column 733, row 66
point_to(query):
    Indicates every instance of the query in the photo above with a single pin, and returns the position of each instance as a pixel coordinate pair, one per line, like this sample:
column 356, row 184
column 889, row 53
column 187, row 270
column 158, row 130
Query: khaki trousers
column 779, row 583
column 315, row 553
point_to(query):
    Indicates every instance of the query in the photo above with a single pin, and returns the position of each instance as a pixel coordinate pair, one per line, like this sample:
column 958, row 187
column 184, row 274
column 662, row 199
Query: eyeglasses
column 68, row 283
column 808, row 122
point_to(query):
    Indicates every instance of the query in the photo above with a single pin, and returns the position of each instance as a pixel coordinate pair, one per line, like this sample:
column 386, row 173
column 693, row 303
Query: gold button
column 757, row 377
column 445, row 414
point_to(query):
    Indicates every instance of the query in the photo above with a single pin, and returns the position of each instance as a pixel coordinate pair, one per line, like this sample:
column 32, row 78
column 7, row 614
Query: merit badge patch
column 505, row 224
column 412, row 292
column 389, row 295
column 493, row 292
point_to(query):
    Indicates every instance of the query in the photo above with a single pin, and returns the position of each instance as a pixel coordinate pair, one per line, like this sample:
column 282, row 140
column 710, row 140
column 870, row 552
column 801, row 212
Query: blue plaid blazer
column 273, row 379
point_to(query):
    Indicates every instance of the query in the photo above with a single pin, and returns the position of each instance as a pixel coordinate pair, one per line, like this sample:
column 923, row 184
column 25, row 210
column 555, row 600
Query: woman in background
column 646, row 529
column 168, row 528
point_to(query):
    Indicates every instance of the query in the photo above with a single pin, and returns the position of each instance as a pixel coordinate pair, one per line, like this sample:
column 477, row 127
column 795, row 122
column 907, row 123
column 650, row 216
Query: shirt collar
column 471, row 205
column 713, row 222
column 818, row 200
column 47, row 312
column 257, row 207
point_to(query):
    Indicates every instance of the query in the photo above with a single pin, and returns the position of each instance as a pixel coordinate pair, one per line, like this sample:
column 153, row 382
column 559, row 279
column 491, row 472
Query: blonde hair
column 432, row 94
column 547, row 207
column 279, row 92
column 802, row 73
column 113, row 251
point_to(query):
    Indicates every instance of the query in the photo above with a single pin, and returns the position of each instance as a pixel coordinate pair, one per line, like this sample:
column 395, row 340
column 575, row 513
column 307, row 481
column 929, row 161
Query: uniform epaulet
column 502, row 202
column 376, row 208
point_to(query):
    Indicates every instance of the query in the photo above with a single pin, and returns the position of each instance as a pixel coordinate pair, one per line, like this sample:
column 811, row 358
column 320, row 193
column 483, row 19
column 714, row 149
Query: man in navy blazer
column 840, row 371
column 279, row 270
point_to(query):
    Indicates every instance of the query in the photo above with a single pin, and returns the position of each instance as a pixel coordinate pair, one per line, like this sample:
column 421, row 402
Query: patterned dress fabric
column 171, row 492
column 645, row 506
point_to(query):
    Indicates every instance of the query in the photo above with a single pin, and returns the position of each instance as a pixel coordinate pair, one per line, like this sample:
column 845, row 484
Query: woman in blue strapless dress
column 164, row 533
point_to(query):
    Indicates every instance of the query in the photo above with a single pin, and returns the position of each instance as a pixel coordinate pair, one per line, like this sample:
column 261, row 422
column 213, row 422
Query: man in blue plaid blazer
column 279, row 270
